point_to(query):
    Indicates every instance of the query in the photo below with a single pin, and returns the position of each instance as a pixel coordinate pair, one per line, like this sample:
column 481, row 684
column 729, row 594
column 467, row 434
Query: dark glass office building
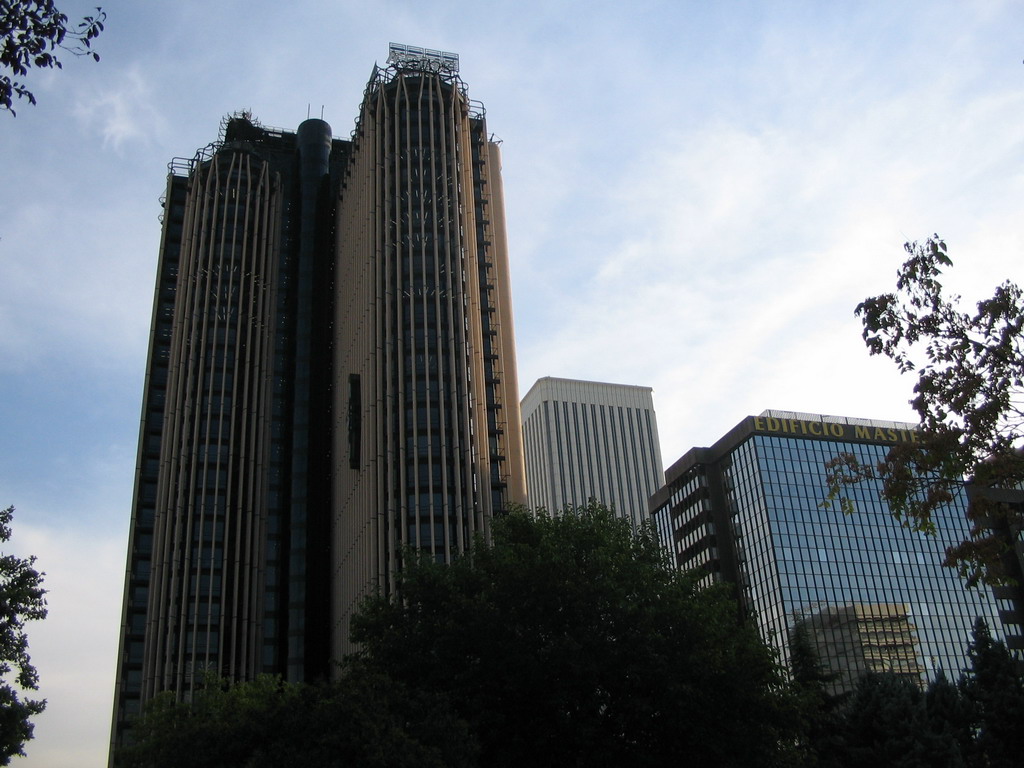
column 331, row 378
column 872, row 594
column 228, row 559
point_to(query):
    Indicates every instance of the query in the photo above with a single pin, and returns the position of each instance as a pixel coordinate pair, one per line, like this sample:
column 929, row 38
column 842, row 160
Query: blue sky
column 697, row 194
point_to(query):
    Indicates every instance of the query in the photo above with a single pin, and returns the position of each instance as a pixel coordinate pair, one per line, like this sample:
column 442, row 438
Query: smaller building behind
column 588, row 440
column 861, row 639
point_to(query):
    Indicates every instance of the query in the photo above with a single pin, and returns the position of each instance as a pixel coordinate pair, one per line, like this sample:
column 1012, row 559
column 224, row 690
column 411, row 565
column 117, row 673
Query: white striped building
column 591, row 440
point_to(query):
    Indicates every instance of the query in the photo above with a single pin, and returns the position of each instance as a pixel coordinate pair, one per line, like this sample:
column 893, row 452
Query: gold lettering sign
column 828, row 430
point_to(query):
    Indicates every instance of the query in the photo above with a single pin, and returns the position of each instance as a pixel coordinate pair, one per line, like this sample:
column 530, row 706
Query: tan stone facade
column 427, row 412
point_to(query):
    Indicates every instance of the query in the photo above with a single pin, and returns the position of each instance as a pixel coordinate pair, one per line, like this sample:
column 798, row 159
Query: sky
column 698, row 195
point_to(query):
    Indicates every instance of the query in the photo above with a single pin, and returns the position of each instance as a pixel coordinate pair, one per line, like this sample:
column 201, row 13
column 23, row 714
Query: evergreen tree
column 886, row 724
column 819, row 742
column 949, row 717
column 995, row 691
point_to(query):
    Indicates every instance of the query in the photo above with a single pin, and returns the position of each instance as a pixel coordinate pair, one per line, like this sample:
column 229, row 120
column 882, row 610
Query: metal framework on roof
column 403, row 56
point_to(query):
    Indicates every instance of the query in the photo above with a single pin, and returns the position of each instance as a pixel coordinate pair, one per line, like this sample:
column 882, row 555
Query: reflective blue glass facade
column 873, row 594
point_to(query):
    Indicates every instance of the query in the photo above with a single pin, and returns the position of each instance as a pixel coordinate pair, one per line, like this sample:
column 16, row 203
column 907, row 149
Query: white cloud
column 742, row 250
column 124, row 111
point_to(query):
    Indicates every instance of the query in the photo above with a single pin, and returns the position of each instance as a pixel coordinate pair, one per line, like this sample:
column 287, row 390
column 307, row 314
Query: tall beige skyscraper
column 427, row 442
column 331, row 378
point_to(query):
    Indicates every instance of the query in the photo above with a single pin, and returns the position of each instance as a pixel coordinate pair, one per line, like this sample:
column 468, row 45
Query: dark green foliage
column 886, row 724
column 819, row 742
column 950, row 717
column 970, row 376
column 572, row 642
column 569, row 642
column 993, row 688
column 887, row 721
column 31, row 31
column 364, row 720
column 21, row 600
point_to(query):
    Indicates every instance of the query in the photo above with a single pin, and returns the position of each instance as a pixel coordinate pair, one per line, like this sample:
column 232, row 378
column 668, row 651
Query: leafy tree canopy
column 571, row 641
column 31, row 32
column 21, row 600
column 968, row 396
column 364, row 719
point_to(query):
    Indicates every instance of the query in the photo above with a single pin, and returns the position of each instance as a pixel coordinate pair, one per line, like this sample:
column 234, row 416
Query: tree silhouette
column 571, row 641
column 992, row 685
column 969, row 397
column 21, row 600
column 31, row 32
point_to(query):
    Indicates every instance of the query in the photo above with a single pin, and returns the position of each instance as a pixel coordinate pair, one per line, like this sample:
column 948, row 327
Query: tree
column 993, row 687
column 31, row 32
column 819, row 710
column 21, row 600
column 364, row 719
column 885, row 722
column 950, row 715
column 968, row 396
column 571, row 641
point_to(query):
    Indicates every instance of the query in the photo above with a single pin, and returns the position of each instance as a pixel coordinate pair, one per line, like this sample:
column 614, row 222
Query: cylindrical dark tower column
column 309, row 523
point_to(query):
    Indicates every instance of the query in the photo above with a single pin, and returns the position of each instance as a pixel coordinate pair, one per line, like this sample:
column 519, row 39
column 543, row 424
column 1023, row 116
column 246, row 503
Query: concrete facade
column 331, row 379
column 591, row 440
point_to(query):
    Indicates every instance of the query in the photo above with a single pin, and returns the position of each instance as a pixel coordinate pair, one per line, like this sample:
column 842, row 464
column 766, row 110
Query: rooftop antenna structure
column 402, row 56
